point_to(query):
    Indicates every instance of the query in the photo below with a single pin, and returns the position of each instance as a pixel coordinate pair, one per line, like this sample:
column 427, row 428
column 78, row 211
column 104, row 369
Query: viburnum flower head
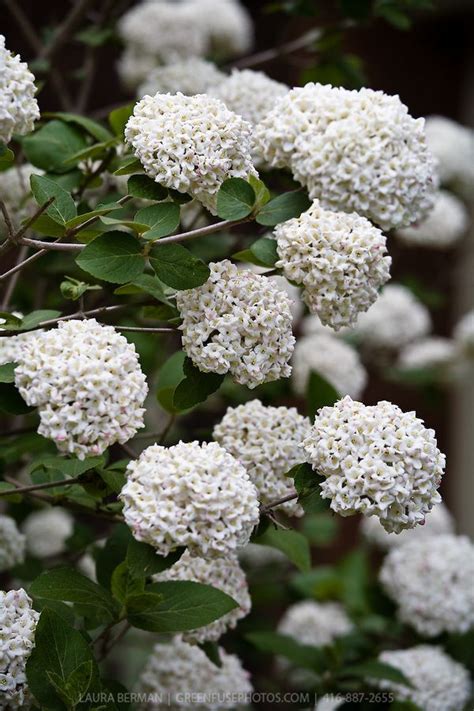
column 315, row 623
column 12, row 544
column 376, row 460
column 17, row 638
column 453, row 147
column 249, row 93
column 339, row 259
column 226, row 575
column 464, row 334
column 433, row 353
column 190, row 143
column 438, row 683
column 133, row 68
column 47, row 531
column 182, row 674
column 85, row 379
column 395, row 319
column 333, row 359
column 18, row 106
column 237, row 322
column 227, row 25
column 437, row 522
column 189, row 76
column 442, row 227
column 194, row 495
column 356, row 151
column 430, row 580
column 266, row 440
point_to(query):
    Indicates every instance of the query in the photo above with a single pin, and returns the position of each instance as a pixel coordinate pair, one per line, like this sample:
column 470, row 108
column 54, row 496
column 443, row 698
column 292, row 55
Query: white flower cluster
column 395, row 319
column 356, row 151
column 438, row 682
column 182, row 675
column 189, row 76
column 340, row 259
column 332, row 358
column 266, row 440
column 10, row 346
column 292, row 291
column 430, row 579
column 433, row 353
column 226, row 24
column 437, row 522
column 12, row 544
column 249, row 93
column 255, row 555
column 18, row 106
column 315, row 623
column 464, row 334
column 133, row 68
column 226, row 575
column 192, row 494
column 190, row 143
column 376, row 460
column 86, row 380
column 17, row 638
column 453, row 147
column 237, row 322
column 444, row 225
column 47, row 531
column 15, row 192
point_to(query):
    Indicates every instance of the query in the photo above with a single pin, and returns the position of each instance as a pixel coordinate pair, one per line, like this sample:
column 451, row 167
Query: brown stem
column 53, row 321
column 64, row 30
column 8, row 222
column 268, row 507
column 140, row 329
column 13, row 281
column 200, row 232
column 39, row 487
column 268, row 55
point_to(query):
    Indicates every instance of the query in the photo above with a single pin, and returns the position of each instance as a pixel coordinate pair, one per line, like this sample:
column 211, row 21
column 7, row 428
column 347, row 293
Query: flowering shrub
column 197, row 302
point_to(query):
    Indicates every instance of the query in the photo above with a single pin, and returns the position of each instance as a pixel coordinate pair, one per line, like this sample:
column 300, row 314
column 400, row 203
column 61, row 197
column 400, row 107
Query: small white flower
column 12, row 544
column 183, row 674
column 47, row 531
column 430, row 579
column 442, row 227
column 453, row 147
column 438, row 682
column 237, row 322
column 190, row 495
column 315, row 623
column 18, row 106
column 437, row 522
column 339, row 259
column 376, row 460
column 189, row 76
column 266, row 440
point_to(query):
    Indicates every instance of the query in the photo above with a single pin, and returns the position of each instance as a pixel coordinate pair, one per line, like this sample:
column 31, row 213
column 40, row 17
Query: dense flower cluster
column 249, row 93
column 222, row 573
column 443, row 226
column 315, row 623
column 436, row 353
column 86, row 381
column 12, row 544
column 438, row 682
column 182, row 674
column 430, row 579
column 378, row 460
column 226, row 24
column 189, row 76
column 332, row 358
column 395, row 319
column 190, row 143
column 47, row 531
column 437, row 522
column 10, row 346
column 464, row 333
column 17, row 638
column 340, row 260
column 355, row 151
column 192, row 494
column 453, row 147
column 18, row 106
column 266, row 440
column 238, row 322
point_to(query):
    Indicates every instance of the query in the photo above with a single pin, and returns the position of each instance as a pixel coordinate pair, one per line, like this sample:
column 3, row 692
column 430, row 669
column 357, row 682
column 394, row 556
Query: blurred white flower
column 47, row 531
column 438, row 521
column 453, row 147
column 12, row 543
column 442, row 227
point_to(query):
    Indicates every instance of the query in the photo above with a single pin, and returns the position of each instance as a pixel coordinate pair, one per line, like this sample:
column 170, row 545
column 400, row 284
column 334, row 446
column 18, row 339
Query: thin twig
column 166, row 430
column 100, row 311
column 13, row 281
column 201, row 231
column 64, row 30
column 268, row 507
column 8, row 222
column 38, row 487
column 52, row 246
column 267, row 55
column 33, row 218
column 140, row 329
column 24, row 264
column 128, row 450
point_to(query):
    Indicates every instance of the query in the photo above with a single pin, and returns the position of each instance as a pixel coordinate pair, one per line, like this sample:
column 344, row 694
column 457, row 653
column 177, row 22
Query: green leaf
column 52, row 145
column 147, row 283
column 196, row 386
column 6, row 157
column 62, row 208
column 177, row 267
column 235, row 199
column 124, row 584
column 319, row 393
column 68, row 467
column 35, row 318
column 293, row 544
column 68, row 585
column 118, row 118
column 113, row 256
column 284, row 207
column 44, row 225
column 97, row 212
column 177, row 606
column 302, row 655
column 129, row 166
column 14, row 498
column 374, row 669
column 265, row 251
column 163, row 219
column 99, row 132
column 73, row 289
column 262, row 193
column 143, row 560
column 211, row 650
column 308, row 485
column 61, row 654
column 7, row 372
column 141, row 186
column 171, row 374
column 112, row 554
